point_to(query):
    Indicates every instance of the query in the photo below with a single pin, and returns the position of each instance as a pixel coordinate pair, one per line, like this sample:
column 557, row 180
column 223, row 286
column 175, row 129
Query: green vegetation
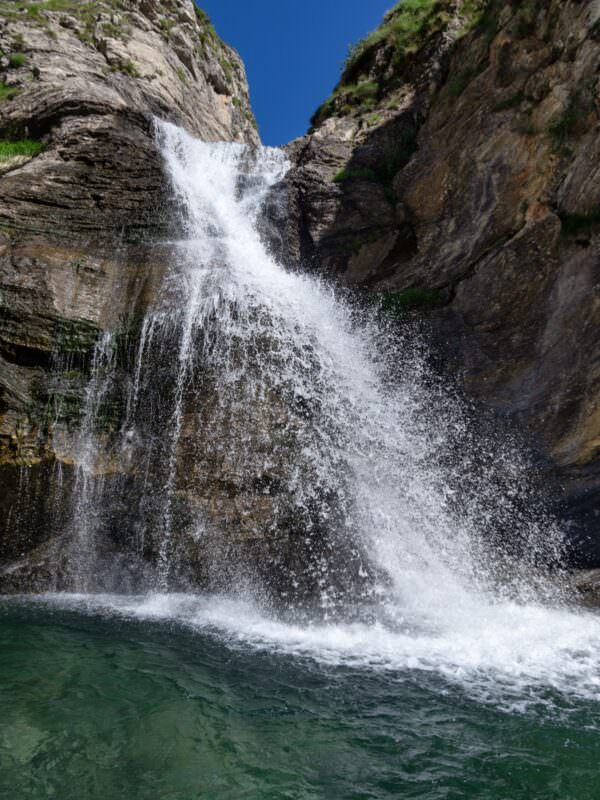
column 361, row 95
column 207, row 33
column 8, row 92
column 227, row 68
column 13, row 8
column 251, row 119
column 410, row 23
column 86, row 11
column 360, row 173
column 513, row 101
column 165, row 26
column 398, row 303
column 21, row 147
column 74, row 338
column 17, row 60
column 181, row 74
column 394, row 156
column 474, row 12
column 363, row 90
column 406, row 28
column 579, row 223
column 130, row 69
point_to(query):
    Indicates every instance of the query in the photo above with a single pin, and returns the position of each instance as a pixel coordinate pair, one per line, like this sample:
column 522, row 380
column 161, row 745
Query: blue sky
column 293, row 51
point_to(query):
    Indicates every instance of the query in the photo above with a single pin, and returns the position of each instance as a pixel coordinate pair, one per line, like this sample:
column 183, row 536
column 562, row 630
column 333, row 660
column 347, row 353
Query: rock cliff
column 455, row 172
column 82, row 209
column 453, row 175
column 80, row 83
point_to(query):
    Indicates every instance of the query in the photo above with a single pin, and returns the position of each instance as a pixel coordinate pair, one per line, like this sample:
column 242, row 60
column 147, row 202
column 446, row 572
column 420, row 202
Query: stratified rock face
column 458, row 170
column 83, row 215
column 84, row 79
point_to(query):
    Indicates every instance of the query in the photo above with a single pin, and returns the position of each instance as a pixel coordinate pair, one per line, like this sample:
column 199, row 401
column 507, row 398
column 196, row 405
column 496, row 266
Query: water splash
column 385, row 454
column 283, row 441
column 506, row 654
column 90, row 467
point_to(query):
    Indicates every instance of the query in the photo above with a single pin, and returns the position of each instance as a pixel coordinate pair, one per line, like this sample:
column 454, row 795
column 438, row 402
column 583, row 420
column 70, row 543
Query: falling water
column 286, row 434
column 381, row 455
column 290, row 453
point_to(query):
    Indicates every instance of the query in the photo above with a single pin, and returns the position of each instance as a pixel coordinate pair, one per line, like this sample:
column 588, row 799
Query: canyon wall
column 452, row 178
column 454, row 173
column 84, row 214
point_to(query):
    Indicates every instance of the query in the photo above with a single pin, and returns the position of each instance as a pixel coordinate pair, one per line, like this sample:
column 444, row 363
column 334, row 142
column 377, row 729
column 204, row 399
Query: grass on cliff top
column 12, row 8
column 21, row 147
column 402, row 26
column 410, row 22
column 404, row 30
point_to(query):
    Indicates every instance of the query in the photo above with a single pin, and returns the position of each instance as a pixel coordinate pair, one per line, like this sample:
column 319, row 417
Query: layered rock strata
column 84, row 216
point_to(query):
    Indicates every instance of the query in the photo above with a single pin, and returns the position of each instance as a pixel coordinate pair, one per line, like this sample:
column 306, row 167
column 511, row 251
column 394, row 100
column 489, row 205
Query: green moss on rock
column 8, row 92
column 575, row 224
column 20, row 147
column 399, row 303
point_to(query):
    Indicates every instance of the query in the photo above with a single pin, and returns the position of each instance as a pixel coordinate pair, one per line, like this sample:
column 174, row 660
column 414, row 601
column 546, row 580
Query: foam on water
column 507, row 654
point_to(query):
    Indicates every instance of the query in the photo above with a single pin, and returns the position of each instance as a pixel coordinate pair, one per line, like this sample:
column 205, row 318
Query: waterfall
column 268, row 458
column 282, row 440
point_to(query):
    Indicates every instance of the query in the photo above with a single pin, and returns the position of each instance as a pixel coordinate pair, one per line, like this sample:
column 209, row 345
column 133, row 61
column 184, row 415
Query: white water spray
column 366, row 448
column 381, row 440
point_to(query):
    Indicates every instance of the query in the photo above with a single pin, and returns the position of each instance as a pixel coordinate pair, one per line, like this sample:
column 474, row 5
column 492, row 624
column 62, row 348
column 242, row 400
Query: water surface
column 97, row 701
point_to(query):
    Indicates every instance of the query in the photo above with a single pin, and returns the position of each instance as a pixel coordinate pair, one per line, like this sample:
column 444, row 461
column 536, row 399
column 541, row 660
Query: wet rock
column 586, row 584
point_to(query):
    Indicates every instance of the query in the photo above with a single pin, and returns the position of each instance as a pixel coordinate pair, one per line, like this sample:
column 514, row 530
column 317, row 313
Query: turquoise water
column 109, row 707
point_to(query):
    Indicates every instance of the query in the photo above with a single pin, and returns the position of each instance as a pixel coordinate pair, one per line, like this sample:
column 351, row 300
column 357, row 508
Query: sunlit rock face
column 84, row 212
column 458, row 169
